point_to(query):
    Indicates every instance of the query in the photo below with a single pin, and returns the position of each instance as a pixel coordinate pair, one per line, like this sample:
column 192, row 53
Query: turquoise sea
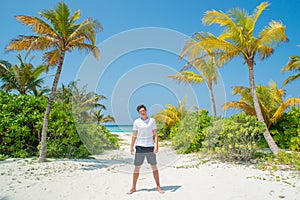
column 119, row 128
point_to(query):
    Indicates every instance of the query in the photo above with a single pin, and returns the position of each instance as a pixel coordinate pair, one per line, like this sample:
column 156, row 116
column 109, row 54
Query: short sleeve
column 135, row 128
column 154, row 125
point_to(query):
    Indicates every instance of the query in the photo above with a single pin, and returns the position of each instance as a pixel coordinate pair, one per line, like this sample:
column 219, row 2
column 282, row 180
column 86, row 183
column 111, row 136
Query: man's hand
column 133, row 139
column 131, row 150
column 155, row 150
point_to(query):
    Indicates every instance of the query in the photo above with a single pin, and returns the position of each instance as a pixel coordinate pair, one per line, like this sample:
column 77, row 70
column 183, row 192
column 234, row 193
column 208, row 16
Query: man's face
column 142, row 112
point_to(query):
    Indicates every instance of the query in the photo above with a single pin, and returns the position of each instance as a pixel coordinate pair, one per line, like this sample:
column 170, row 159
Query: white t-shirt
column 144, row 132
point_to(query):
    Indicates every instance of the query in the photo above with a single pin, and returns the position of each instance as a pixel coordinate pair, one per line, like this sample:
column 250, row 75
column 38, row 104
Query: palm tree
column 44, row 91
column 83, row 102
column 100, row 118
column 207, row 71
column 172, row 114
column 22, row 77
column 79, row 100
column 293, row 65
column 60, row 35
column 238, row 40
column 270, row 100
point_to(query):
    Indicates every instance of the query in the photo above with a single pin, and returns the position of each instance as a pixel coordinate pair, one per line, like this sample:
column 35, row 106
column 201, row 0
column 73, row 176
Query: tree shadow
column 92, row 163
column 95, row 164
column 4, row 198
column 170, row 188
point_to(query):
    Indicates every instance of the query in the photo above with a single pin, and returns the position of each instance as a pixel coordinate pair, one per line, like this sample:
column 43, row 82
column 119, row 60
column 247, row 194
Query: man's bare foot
column 131, row 191
column 160, row 190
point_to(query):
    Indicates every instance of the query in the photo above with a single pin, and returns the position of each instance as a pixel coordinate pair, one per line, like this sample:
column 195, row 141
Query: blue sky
column 137, row 75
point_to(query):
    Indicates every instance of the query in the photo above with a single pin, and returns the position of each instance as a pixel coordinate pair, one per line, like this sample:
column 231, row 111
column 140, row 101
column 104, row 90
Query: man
column 144, row 129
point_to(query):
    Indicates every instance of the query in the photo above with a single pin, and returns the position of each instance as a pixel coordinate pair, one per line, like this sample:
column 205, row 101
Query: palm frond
column 5, row 65
column 108, row 118
column 192, row 49
column 75, row 16
column 272, row 34
column 30, row 43
column 52, row 57
column 39, row 70
column 37, row 25
column 187, row 77
column 86, row 47
column 217, row 45
column 88, row 28
column 221, row 18
column 257, row 12
column 291, row 78
column 288, row 103
column 293, row 64
column 239, row 106
column 263, row 51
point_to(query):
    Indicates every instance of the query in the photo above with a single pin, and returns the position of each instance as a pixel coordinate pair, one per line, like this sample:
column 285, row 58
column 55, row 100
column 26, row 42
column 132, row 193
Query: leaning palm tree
column 206, row 70
column 238, row 40
column 271, row 100
column 24, row 77
column 61, row 34
column 293, row 65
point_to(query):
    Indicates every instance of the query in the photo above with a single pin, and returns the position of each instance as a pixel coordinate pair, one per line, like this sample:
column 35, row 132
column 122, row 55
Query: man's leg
column 135, row 177
column 156, row 178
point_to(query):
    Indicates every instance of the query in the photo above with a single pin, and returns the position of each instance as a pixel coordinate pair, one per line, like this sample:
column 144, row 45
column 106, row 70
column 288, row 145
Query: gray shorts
column 141, row 153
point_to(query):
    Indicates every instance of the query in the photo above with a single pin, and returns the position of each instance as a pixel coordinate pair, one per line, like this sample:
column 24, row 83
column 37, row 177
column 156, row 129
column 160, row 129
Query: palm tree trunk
column 272, row 145
column 212, row 98
column 42, row 157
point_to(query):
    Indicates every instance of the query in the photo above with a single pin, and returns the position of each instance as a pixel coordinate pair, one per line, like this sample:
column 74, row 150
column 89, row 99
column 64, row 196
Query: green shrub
column 97, row 138
column 21, row 124
column 69, row 140
column 163, row 131
column 3, row 157
column 291, row 159
column 286, row 160
column 189, row 135
column 19, row 133
column 174, row 130
column 286, row 132
column 233, row 138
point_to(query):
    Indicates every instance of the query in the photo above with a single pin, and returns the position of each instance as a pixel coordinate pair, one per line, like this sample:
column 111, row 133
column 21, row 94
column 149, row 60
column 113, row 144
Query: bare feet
column 131, row 191
column 160, row 190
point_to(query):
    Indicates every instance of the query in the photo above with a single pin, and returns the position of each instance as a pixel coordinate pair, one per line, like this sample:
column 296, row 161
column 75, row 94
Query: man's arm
column 133, row 139
column 155, row 141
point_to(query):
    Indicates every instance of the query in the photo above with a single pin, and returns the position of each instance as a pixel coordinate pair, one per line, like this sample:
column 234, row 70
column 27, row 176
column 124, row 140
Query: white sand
column 109, row 177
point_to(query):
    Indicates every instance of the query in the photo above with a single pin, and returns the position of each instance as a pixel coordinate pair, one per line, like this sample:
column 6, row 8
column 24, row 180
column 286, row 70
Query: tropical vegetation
column 233, row 138
column 271, row 101
column 206, row 70
column 169, row 116
column 23, row 78
column 238, row 40
column 286, row 130
column 21, row 124
column 75, row 126
column 61, row 34
column 293, row 65
column 188, row 134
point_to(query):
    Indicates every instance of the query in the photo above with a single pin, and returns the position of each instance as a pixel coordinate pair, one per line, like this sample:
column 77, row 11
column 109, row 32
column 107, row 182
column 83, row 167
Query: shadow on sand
column 95, row 164
column 4, row 198
column 170, row 188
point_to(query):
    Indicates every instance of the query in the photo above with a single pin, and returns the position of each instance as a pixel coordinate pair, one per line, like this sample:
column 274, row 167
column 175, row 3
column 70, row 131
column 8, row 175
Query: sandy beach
column 108, row 176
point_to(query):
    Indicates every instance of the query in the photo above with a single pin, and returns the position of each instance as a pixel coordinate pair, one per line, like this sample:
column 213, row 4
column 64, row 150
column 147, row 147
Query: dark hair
column 139, row 107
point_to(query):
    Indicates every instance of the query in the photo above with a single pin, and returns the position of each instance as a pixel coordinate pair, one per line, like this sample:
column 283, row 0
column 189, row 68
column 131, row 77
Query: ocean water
column 119, row 128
